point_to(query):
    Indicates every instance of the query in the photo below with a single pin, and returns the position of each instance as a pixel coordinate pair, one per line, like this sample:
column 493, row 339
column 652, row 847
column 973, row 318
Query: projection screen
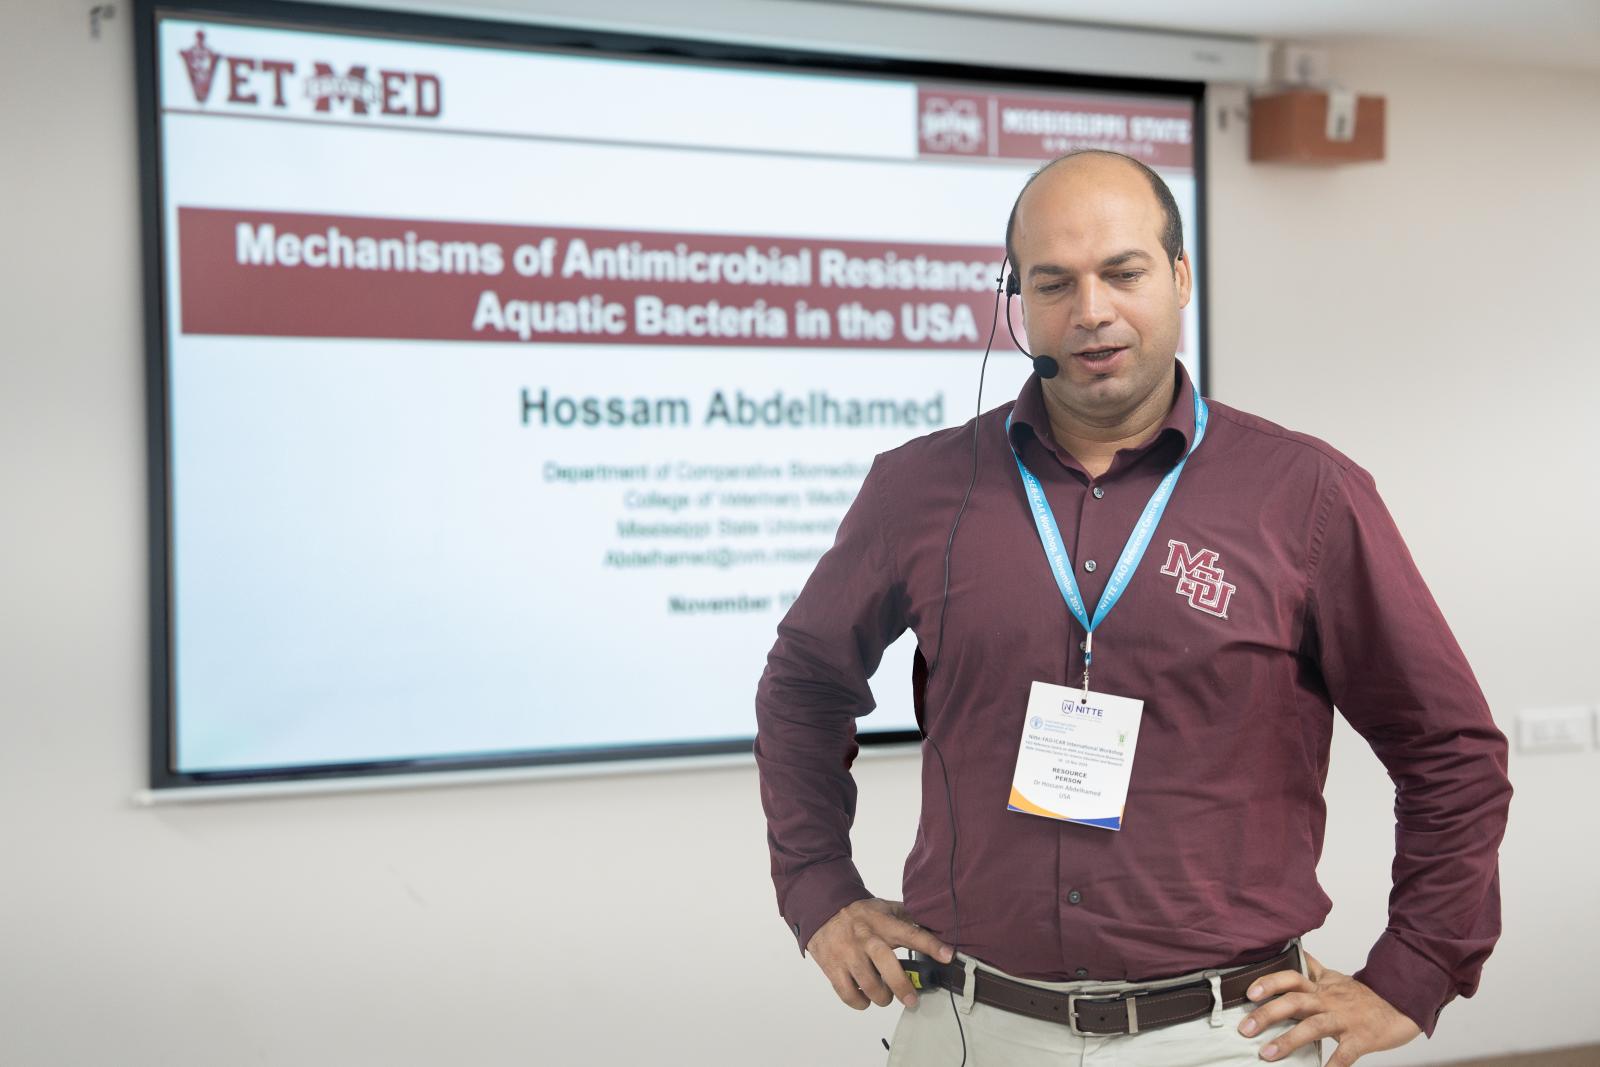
column 506, row 383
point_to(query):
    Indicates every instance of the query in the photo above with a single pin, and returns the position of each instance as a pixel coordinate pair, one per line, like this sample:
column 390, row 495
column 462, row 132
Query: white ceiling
column 1555, row 33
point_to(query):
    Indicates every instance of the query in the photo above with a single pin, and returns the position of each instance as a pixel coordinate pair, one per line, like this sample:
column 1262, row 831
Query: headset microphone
column 1043, row 366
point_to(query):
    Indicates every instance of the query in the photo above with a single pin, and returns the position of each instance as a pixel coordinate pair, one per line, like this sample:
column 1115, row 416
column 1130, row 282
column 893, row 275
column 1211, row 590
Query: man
column 1275, row 586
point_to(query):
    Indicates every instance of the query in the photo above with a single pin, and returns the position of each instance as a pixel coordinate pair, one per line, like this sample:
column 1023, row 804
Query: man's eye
column 1130, row 275
column 1050, row 287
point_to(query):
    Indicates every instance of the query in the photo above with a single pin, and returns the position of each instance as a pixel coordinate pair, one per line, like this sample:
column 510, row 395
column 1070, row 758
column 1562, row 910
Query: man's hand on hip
column 855, row 949
column 1328, row 1004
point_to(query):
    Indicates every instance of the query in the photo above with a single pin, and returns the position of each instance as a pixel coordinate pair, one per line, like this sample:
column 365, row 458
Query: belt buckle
column 1106, row 997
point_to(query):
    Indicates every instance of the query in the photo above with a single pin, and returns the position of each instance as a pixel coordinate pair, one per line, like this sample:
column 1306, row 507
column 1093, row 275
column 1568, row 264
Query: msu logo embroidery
column 1199, row 578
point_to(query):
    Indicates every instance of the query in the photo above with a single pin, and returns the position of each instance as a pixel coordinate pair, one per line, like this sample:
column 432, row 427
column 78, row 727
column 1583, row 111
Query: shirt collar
column 1030, row 418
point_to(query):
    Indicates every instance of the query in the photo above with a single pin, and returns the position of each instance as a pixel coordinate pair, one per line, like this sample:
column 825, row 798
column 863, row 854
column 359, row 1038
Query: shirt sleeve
column 1395, row 672
column 813, row 688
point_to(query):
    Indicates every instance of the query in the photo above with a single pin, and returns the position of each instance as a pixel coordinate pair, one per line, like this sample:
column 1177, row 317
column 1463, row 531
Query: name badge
column 1076, row 757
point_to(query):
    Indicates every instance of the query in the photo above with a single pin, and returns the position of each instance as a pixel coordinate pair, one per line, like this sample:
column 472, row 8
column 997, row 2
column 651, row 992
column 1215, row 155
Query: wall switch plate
column 1555, row 729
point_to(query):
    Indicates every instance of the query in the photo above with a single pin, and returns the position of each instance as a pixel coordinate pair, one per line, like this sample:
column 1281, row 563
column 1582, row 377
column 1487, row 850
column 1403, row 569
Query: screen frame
column 163, row 774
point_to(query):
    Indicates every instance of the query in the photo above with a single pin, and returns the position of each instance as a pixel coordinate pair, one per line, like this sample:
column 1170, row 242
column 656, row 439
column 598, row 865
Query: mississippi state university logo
column 951, row 125
column 327, row 86
column 1199, row 578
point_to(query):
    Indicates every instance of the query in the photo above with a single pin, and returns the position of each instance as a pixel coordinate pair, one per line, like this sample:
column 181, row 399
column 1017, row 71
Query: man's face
column 1098, row 292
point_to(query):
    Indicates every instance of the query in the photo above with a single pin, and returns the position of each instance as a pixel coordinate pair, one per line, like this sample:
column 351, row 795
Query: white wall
column 1429, row 315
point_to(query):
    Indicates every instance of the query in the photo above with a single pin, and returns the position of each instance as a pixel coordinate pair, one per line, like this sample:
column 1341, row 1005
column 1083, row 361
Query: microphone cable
column 938, row 652
column 983, row 368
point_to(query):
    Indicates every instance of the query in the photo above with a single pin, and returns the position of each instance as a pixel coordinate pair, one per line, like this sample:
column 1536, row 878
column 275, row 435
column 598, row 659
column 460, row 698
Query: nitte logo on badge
column 1076, row 757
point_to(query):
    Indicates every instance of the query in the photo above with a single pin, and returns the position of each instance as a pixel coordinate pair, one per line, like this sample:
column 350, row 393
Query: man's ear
column 1182, row 278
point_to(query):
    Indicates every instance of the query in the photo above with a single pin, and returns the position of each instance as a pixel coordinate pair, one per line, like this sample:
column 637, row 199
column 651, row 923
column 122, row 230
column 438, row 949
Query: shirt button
column 1088, row 565
column 1074, row 897
column 1083, row 646
column 1099, row 492
column 1082, row 972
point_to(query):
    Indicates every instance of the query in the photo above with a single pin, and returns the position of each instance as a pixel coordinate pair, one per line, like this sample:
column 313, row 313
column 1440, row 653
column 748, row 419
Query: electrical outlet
column 1555, row 729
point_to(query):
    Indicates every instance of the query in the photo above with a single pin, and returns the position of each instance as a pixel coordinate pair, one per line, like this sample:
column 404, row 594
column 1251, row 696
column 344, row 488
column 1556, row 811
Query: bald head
column 1088, row 235
column 1097, row 159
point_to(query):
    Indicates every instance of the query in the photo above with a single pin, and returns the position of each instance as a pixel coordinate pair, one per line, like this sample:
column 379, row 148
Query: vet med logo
column 1200, row 580
column 265, row 82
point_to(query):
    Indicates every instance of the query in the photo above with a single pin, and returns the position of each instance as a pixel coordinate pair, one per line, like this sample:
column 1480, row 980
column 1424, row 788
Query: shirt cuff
column 817, row 894
column 1412, row 984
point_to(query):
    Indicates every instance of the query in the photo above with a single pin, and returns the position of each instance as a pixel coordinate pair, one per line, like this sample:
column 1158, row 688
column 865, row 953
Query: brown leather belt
column 1101, row 1014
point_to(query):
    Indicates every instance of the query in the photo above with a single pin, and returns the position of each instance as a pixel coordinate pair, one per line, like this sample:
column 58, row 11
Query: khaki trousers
column 927, row 1036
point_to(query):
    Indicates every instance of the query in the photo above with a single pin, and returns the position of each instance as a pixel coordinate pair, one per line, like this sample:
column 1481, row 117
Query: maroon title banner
column 278, row 274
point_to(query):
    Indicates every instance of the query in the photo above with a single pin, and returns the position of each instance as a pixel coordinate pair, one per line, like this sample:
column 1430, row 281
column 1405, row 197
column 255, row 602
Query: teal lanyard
column 1132, row 552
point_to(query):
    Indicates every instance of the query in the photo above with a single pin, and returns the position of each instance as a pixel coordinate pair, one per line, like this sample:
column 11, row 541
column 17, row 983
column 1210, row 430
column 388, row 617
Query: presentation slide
column 513, row 394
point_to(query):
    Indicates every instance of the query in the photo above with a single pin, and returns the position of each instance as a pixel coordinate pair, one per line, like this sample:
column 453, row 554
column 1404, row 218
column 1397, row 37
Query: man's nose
column 1093, row 308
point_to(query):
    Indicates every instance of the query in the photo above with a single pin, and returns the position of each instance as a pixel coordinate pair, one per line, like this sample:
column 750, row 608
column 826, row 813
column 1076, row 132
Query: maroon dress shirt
column 1275, row 588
